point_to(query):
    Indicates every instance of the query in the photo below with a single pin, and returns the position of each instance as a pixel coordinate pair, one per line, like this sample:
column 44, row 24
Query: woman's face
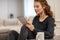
column 38, row 7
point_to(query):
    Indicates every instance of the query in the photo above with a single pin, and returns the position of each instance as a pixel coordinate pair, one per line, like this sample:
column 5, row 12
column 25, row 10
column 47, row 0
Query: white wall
column 11, row 6
column 20, row 7
column 3, row 8
column 16, row 7
column 57, row 10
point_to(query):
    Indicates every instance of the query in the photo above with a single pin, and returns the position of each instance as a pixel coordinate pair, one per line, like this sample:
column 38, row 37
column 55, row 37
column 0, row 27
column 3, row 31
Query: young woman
column 43, row 22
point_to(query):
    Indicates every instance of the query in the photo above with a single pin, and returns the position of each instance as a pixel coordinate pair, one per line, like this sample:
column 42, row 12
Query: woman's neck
column 42, row 15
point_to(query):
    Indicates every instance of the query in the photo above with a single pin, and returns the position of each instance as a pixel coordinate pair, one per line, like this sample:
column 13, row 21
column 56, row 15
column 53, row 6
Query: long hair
column 47, row 9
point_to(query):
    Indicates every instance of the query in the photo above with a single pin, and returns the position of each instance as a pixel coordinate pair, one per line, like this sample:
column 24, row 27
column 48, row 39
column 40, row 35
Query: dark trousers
column 24, row 34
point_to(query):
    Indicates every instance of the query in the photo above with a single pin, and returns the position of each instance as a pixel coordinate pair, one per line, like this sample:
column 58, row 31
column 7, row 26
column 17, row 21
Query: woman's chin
column 37, row 13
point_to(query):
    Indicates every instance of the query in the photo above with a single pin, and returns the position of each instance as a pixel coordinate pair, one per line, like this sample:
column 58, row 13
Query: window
column 29, row 8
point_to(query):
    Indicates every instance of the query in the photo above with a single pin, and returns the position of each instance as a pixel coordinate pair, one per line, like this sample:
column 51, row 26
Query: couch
column 7, row 25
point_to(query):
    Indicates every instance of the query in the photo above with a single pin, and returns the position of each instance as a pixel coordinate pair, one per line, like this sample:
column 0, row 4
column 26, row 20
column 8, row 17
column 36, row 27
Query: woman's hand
column 29, row 24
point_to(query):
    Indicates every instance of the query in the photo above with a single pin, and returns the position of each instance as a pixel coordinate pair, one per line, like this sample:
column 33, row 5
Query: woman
column 43, row 22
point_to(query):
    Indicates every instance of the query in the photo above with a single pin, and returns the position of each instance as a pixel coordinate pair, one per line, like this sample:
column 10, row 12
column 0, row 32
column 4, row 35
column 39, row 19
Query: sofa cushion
column 11, row 22
column 1, row 22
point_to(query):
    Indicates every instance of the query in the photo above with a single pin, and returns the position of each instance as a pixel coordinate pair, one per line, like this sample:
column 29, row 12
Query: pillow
column 1, row 22
column 11, row 22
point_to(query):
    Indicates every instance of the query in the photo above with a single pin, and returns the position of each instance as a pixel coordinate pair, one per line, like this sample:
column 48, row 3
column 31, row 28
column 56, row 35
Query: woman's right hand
column 27, row 20
column 29, row 24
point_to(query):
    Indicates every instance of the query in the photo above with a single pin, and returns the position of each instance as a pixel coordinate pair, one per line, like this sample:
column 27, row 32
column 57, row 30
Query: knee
column 12, row 35
column 13, row 32
column 24, row 26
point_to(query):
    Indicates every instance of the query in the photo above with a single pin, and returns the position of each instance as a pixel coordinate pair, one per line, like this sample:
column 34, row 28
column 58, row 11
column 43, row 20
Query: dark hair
column 47, row 9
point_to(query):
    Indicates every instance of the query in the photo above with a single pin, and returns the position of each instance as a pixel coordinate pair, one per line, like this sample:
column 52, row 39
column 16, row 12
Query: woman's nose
column 35, row 8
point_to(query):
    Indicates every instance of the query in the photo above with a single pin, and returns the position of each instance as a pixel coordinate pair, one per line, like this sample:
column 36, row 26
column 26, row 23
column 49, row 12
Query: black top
column 47, row 26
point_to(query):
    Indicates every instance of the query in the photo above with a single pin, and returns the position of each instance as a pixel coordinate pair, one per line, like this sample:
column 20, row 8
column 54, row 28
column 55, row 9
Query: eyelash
column 36, row 6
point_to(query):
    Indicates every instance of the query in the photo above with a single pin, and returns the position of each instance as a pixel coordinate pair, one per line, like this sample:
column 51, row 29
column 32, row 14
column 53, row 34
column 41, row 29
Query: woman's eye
column 36, row 6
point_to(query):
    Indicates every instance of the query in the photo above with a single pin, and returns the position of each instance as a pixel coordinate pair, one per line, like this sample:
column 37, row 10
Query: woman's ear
column 44, row 7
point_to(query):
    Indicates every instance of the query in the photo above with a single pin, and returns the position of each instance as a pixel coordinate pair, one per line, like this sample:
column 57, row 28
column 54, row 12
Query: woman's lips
column 36, row 11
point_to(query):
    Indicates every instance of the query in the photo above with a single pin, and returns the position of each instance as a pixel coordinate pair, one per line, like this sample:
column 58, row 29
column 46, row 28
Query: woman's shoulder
column 50, row 19
column 36, row 17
